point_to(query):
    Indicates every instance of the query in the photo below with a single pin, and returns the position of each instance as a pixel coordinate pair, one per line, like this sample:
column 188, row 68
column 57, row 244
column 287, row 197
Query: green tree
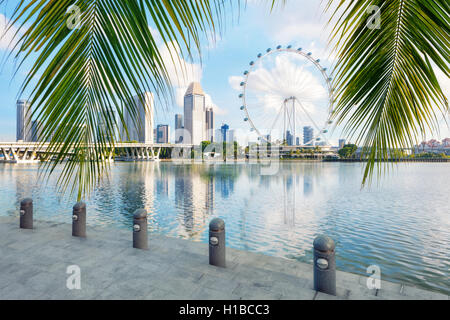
column 205, row 145
column 348, row 151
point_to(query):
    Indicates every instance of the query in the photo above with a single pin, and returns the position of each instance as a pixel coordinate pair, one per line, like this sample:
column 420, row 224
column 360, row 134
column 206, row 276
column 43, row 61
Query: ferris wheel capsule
column 242, row 107
column 241, row 95
column 299, row 49
column 289, row 47
column 309, row 53
column 268, row 50
column 252, row 63
column 242, row 84
column 245, row 119
column 318, row 60
column 279, row 47
column 260, row 55
column 245, row 73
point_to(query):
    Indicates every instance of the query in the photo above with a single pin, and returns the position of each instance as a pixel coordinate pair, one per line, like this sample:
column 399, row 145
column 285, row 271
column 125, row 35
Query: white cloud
column 181, row 72
column 297, row 20
column 7, row 33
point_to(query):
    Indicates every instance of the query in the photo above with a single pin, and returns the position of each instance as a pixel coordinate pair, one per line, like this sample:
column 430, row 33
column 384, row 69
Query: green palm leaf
column 387, row 91
column 89, row 74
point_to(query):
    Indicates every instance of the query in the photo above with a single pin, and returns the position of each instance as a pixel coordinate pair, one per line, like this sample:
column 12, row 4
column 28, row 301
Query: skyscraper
column 194, row 114
column 342, row 143
column 209, row 125
column 308, row 136
column 289, row 138
column 162, row 133
column 36, row 131
column 224, row 133
column 179, row 126
column 23, row 121
column 142, row 131
column 231, row 136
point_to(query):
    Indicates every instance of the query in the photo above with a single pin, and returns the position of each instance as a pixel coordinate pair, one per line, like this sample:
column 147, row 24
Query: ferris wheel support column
column 293, row 122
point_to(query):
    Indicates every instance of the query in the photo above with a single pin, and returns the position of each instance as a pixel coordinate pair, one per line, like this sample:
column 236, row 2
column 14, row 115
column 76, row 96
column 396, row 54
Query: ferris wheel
column 287, row 98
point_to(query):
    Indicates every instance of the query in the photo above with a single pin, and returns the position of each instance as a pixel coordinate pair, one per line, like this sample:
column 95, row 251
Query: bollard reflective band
column 75, row 217
column 22, row 212
column 214, row 241
column 136, row 228
column 322, row 264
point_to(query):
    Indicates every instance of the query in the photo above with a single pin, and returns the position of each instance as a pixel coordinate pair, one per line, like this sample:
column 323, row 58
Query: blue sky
column 300, row 23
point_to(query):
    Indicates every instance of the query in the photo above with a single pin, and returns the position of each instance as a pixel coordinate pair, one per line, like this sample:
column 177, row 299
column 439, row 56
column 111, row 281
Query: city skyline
column 242, row 40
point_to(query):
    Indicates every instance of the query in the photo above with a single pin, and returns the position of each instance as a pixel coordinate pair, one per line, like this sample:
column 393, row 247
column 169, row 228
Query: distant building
column 24, row 121
column 231, row 136
column 143, row 130
column 162, row 133
column 36, row 131
column 289, row 138
column 342, row 143
column 194, row 114
column 218, row 136
column 308, row 136
column 297, row 141
column 209, row 125
column 224, row 133
column 179, row 126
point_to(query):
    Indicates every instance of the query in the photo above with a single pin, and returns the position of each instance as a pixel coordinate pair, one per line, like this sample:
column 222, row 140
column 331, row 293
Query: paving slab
column 34, row 266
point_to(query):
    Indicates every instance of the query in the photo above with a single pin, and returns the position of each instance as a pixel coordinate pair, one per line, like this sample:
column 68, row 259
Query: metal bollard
column 140, row 240
column 26, row 214
column 79, row 220
column 324, row 265
column 217, row 243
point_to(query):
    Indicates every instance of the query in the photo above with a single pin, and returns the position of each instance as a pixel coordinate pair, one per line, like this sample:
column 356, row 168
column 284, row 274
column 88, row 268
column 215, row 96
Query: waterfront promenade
column 33, row 265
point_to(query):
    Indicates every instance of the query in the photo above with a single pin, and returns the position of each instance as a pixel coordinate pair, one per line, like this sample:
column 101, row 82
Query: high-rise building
column 308, row 136
column 289, row 138
column 162, row 133
column 297, row 142
column 179, row 126
column 342, row 143
column 36, row 131
column 141, row 131
column 179, row 121
column 209, row 125
column 24, row 121
column 224, row 133
column 231, row 136
column 194, row 115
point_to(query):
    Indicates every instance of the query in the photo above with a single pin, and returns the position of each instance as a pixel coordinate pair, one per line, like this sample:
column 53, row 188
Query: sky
column 246, row 33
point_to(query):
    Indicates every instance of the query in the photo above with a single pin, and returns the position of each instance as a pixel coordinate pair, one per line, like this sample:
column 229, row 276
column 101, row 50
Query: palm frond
column 386, row 87
column 89, row 74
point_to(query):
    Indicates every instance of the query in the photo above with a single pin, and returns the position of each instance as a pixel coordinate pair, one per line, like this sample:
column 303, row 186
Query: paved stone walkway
column 33, row 265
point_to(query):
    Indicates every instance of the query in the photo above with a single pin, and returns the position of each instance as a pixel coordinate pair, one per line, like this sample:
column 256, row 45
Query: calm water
column 401, row 224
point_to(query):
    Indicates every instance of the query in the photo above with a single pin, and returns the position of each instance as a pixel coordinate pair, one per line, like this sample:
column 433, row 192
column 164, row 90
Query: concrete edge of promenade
column 38, row 264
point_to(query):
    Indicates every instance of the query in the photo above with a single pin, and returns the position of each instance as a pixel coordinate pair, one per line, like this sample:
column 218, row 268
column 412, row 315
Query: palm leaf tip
column 387, row 94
